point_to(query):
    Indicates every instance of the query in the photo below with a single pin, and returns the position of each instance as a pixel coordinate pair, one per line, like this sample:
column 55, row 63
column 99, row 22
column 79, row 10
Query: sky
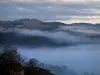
column 66, row 11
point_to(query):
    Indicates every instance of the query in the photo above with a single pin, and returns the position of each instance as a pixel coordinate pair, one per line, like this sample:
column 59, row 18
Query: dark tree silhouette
column 33, row 62
column 10, row 64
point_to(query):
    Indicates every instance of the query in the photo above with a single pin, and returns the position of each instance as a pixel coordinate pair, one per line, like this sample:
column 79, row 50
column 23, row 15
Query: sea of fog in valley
column 80, row 53
column 82, row 58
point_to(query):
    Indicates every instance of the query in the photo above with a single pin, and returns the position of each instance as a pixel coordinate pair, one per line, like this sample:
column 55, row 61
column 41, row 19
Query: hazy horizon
column 49, row 21
column 66, row 11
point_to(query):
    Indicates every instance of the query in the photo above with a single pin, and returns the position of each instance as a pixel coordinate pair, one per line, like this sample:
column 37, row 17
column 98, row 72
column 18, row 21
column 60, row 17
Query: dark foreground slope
column 10, row 64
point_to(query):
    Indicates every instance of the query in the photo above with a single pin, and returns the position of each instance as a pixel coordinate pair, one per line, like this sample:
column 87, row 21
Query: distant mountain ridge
column 37, row 24
column 30, row 24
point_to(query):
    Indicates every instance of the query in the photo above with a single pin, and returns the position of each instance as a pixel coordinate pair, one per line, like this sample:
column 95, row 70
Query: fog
column 85, row 58
column 62, row 36
column 80, row 53
column 80, row 58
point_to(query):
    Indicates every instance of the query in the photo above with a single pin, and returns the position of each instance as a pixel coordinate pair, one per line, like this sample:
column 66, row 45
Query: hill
column 30, row 24
column 37, row 24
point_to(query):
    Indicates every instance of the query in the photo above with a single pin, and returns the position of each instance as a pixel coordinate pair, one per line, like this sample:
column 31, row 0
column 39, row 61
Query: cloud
column 51, row 1
column 51, row 10
column 60, row 36
column 94, row 21
column 21, row 9
column 79, row 17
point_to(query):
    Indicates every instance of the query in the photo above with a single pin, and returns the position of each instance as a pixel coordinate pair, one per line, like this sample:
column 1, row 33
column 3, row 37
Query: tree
column 23, row 60
column 33, row 62
column 10, row 53
column 10, row 62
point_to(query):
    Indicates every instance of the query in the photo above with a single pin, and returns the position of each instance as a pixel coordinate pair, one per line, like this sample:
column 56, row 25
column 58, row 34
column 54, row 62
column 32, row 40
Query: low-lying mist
column 38, row 38
column 80, row 53
column 81, row 58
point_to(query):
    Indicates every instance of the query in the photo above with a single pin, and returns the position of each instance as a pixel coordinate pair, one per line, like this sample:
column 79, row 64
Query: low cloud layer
column 67, row 11
column 38, row 38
